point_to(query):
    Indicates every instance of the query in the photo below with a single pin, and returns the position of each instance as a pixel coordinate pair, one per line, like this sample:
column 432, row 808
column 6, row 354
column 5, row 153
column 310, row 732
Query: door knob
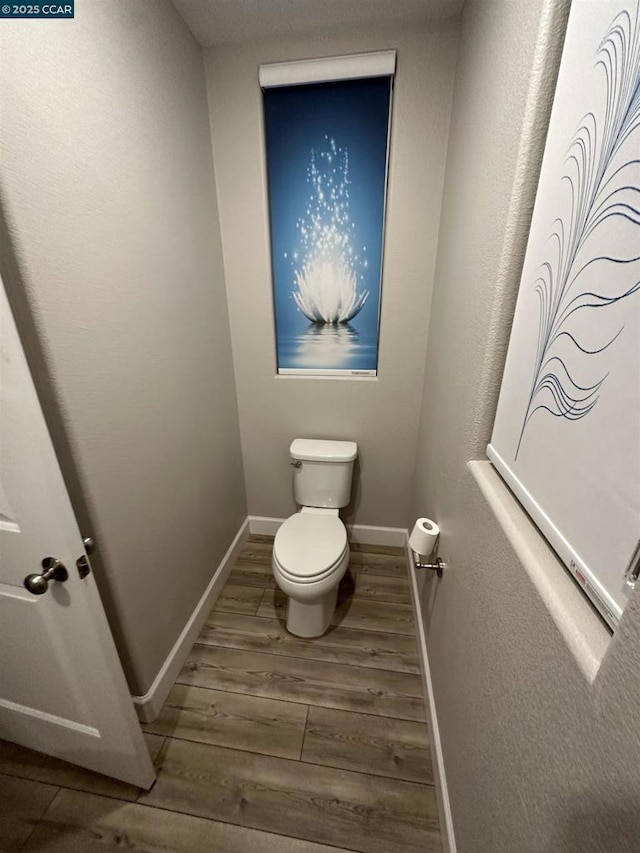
column 53, row 570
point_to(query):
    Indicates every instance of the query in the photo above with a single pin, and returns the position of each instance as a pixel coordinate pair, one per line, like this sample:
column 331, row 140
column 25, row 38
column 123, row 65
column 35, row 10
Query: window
column 326, row 137
column 567, row 432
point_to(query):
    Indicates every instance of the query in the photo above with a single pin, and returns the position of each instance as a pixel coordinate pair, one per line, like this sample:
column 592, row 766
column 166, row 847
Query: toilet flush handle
column 296, row 464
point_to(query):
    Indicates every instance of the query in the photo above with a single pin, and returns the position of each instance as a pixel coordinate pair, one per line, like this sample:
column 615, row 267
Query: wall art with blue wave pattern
column 326, row 154
column 567, row 430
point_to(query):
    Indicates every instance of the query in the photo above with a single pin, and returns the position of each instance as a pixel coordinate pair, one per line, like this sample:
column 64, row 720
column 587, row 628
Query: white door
column 62, row 688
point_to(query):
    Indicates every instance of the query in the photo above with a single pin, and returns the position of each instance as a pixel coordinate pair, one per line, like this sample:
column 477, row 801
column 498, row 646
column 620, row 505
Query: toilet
column 310, row 551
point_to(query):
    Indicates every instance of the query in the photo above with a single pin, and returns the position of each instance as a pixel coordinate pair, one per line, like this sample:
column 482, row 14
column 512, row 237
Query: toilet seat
column 305, row 581
column 308, row 547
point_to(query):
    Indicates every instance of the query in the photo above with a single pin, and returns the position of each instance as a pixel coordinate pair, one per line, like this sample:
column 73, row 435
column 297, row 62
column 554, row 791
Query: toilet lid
column 308, row 544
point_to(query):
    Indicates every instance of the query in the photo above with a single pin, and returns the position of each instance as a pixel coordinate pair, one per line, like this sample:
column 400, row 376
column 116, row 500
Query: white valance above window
column 379, row 64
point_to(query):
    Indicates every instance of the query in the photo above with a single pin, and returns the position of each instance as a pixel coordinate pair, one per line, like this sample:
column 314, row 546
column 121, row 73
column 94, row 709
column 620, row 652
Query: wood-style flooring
column 267, row 742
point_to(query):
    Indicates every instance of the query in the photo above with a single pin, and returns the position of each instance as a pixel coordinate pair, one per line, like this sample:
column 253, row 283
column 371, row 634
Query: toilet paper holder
column 438, row 566
column 423, row 541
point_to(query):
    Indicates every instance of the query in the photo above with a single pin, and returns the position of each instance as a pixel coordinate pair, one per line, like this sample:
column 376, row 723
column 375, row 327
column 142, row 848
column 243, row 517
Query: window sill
column 582, row 629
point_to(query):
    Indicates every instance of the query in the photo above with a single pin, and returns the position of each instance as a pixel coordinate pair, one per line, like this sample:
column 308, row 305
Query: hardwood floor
column 267, row 742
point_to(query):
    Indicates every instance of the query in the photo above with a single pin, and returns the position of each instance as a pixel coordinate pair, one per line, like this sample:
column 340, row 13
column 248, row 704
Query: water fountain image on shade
column 327, row 267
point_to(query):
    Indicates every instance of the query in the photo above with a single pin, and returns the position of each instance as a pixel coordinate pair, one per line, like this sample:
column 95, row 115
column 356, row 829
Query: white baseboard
column 363, row 534
column 148, row 706
column 262, row 525
column 442, row 792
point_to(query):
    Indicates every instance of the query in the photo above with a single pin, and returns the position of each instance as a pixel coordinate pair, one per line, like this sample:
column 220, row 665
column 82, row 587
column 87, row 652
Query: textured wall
column 108, row 192
column 380, row 414
column 537, row 706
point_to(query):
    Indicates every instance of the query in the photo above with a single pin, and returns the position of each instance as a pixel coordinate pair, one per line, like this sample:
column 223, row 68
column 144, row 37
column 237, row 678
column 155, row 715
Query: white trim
column 380, row 63
column 325, row 371
column 262, row 525
column 367, row 535
column 148, row 706
column 440, row 776
column 363, row 534
column 589, row 582
column 584, row 632
column 312, row 377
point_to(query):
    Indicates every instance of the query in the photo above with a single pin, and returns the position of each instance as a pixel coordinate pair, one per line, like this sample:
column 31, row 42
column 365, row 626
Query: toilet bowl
column 310, row 557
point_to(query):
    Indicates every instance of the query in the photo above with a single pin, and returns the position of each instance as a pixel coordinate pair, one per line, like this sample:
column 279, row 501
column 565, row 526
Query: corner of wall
column 535, row 121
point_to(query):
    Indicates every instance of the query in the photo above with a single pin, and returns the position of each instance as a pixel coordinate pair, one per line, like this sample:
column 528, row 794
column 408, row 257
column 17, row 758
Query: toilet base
column 312, row 618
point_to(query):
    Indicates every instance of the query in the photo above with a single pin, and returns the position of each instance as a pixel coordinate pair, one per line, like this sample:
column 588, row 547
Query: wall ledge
column 583, row 631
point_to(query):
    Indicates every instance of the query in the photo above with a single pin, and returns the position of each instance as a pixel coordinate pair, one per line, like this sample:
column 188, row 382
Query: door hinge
column 83, row 566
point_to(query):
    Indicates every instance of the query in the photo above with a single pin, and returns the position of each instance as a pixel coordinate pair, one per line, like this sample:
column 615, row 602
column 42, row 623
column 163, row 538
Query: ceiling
column 218, row 22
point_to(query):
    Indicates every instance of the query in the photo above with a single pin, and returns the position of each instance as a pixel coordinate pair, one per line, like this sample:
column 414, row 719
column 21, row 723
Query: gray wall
column 380, row 414
column 108, row 194
column 537, row 704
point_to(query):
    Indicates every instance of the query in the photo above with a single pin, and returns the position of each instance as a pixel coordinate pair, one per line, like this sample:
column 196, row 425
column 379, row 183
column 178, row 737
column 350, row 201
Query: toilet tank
column 322, row 471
